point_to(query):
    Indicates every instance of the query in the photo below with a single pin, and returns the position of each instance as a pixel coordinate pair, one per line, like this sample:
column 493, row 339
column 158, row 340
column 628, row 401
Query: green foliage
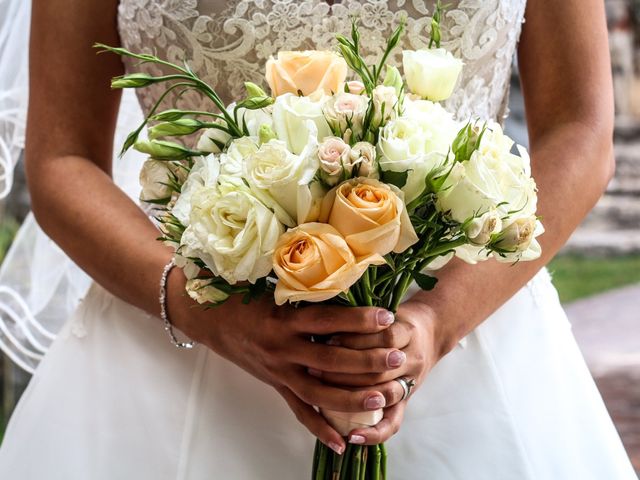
column 8, row 228
column 579, row 276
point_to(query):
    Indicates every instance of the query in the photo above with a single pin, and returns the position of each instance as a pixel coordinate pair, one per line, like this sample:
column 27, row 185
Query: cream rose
column 346, row 111
column 432, row 74
column 284, row 176
column 233, row 160
column 480, row 229
column 370, row 215
column 306, row 72
column 335, row 160
column 314, row 263
column 363, row 160
column 518, row 241
column 291, row 117
column 232, row 232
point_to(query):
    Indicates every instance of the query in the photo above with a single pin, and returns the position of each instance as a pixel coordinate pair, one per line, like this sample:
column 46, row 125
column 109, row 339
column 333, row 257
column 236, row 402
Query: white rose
column 205, row 172
column 232, row 232
column 346, row 111
column 335, row 160
column 438, row 126
column 212, row 139
column 385, row 104
column 291, row 116
column 363, row 158
column 202, row 291
column 403, row 148
column 432, row 74
column 517, row 242
column 480, row 229
column 285, row 176
column 154, row 178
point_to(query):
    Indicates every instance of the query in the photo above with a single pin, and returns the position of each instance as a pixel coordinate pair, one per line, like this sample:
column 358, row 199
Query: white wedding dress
column 113, row 399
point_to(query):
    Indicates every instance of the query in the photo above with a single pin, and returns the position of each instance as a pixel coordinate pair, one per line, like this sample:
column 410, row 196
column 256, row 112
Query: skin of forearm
column 565, row 196
column 102, row 230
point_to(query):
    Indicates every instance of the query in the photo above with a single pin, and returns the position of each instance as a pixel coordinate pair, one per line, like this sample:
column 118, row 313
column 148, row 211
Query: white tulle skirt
column 112, row 399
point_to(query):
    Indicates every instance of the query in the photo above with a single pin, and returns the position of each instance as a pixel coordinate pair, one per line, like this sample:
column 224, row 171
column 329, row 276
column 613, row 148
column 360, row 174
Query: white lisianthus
column 355, row 86
column 285, row 176
column 211, row 139
column 254, row 119
column 403, row 148
column 205, row 172
column 232, row 232
column 346, row 111
column 335, row 160
column 385, row 104
column 203, row 292
column 233, row 160
column 363, row 158
column 292, row 116
column 492, row 179
column 497, row 181
column 432, row 74
column 154, row 178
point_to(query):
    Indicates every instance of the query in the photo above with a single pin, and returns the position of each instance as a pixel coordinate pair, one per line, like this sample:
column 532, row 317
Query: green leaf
column 425, row 282
column 399, row 179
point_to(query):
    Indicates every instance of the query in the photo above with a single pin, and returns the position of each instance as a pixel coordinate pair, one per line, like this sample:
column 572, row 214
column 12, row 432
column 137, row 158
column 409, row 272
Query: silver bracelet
column 163, row 308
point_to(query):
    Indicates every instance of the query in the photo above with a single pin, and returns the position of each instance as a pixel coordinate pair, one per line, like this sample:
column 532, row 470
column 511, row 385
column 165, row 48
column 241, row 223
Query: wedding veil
column 40, row 286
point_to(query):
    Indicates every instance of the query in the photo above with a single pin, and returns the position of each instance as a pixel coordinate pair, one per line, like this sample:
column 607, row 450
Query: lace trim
column 229, row 42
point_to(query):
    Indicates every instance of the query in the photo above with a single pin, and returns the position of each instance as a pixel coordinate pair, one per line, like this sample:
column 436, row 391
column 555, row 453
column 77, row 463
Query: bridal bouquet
column 329, row 190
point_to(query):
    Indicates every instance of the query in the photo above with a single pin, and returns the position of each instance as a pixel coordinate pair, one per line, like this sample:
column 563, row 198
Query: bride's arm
column 71, row 122
column 566, row 78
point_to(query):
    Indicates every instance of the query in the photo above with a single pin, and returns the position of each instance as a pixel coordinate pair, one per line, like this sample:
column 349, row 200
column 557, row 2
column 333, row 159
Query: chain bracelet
column 168, row 327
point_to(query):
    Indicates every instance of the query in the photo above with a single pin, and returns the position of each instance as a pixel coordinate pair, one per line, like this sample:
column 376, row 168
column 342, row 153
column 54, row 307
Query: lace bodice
column 229, row 42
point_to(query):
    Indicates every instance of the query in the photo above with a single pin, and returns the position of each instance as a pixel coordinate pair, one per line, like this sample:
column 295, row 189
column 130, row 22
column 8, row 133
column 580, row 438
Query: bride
column 502, row 391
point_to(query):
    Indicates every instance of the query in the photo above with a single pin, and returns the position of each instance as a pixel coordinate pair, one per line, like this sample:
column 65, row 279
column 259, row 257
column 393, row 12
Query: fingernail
column 396, row 358
column 357, row 439
column 385, row 318
column 336, row 448
column 314, row 373
column 333, row 341
column 374, row 402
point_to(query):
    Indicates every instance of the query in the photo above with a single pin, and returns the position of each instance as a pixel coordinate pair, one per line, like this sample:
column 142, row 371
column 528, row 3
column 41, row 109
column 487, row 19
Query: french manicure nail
column 357, row 439
column 314, row 372
column 385, row 318
column 336, row 448
column 396, row 358
column 374, row 402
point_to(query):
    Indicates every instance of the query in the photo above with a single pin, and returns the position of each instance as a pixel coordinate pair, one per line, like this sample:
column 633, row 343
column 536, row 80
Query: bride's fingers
column 345, row 360
column 313, row 421
column 398, row 335
column 390, row 389
column 383, row 431
column 327, row 319
column 357, row 380
column 314, row 392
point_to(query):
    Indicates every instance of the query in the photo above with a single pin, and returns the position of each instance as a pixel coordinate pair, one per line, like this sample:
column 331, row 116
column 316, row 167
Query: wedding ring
column 407, row 384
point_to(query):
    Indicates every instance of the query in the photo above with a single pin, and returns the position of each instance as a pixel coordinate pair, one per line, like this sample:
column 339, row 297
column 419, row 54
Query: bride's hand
column 274, row 344
column 415, row 334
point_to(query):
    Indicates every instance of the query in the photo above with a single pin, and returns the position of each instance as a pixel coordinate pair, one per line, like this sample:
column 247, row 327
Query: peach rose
column 306, row 72
column 370, row 215
column 314, row 263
